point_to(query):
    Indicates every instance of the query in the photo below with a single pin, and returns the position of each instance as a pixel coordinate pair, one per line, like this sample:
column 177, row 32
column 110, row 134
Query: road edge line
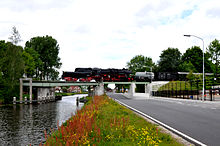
column 196, row 142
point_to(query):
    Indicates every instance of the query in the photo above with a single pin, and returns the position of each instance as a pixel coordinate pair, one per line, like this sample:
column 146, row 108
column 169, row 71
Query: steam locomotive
column 120, row 75
column 105, row 75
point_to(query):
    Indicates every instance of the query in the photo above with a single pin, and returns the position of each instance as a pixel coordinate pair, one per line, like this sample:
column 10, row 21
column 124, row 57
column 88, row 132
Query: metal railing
column 189, row 90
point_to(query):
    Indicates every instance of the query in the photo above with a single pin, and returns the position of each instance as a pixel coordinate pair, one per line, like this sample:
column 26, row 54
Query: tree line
column 38, row 59
column 172, row 60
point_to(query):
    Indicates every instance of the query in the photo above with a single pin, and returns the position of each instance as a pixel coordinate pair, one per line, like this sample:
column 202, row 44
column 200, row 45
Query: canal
column 25, row 124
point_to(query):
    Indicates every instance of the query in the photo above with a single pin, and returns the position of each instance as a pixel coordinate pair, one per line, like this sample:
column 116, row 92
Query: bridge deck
column 64, row 83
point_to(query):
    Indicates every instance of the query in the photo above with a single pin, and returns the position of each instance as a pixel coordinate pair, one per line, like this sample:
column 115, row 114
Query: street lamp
column 203, row 67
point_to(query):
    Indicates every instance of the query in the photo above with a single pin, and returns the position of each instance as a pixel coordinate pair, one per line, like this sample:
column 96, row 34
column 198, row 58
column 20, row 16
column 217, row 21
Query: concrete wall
column 99, row 90
column 96, row 91
column 132, row 89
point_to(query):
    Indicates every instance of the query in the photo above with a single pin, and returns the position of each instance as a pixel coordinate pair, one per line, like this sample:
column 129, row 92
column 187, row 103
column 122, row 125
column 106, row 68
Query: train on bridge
column 106, row 75
column 120, row 75
column 98, row 75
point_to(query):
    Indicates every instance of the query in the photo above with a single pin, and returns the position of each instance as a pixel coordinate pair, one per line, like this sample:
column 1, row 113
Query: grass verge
column 69, row 94
column 179, row 85
column 102, row 121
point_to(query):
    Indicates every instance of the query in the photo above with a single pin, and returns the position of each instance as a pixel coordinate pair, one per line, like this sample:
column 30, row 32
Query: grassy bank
column 188, row 85
column 180, row 85
column 102, row 121
column 68, row 94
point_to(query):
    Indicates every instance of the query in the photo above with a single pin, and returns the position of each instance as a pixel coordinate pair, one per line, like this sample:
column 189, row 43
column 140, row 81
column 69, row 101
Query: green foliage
column 214, row 53
column 64, row 89
column 194, row 55
column 187, row 66
column 12, row 68
column 3, row 48
column 38, row 60
column 140, row 63
column 69, row 94
column 190, row 76
column 29, row 64
column 195, row 82
column 177, row 85
column 45, row 54
column 169, row 60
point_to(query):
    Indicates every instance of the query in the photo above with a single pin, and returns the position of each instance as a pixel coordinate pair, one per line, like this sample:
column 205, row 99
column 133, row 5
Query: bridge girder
column 59, row 83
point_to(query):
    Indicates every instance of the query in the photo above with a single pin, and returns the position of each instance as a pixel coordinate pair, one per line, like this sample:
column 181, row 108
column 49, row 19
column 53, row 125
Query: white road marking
column 164, row 125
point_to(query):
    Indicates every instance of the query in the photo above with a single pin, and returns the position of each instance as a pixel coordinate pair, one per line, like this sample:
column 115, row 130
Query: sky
column 109, row 33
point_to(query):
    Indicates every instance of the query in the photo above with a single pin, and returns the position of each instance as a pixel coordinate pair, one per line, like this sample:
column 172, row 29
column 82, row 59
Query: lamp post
column 203, row 66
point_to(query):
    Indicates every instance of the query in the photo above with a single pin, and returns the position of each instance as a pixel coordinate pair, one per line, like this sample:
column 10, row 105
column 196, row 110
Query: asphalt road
column 197, row 119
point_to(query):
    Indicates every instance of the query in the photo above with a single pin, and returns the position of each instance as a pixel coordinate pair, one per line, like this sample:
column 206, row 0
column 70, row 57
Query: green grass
column 187, row 85
column 180, row 85
column 117, row 111
column 69, row 94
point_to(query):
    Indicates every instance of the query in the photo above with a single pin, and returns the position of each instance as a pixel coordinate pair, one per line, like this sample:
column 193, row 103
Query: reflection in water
column 25, row 124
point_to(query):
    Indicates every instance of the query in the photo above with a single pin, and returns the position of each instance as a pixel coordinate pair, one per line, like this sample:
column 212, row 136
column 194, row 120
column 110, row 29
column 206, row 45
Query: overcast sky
column 108, row 33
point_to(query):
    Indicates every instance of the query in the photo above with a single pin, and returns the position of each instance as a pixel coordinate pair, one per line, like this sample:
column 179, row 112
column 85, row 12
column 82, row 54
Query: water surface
column 25, row 124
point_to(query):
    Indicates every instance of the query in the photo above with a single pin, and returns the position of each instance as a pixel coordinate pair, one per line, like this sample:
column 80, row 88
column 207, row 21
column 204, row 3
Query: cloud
column 82, row 29
column 186, row 13
column 214, row 12
column 33, row 5
column 102, row 33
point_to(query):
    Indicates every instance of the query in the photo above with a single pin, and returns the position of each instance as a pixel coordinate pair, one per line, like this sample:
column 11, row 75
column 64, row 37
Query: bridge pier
column 145, row 88
column 96, row 91
column 30, row 92
column 21, row 89
column 132, row 89
column 99, row 90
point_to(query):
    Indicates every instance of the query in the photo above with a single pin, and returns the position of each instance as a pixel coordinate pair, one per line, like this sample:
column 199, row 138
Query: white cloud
column 101, row 33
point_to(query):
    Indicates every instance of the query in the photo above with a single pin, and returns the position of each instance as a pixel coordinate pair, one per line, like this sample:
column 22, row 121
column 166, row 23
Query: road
column 197, row 119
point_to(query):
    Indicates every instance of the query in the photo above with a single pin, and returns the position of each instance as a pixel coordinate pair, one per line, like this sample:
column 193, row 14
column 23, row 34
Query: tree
column 29, row 67
column 3, row 47
column 187, row 66
column 32, row 68
column 15, row 37
column 11, row 67
column 169, row 60
column 195, row 56
column 140, row 63
column 190, row 76
column 48, row 50
column 214, row 52
column 12, row 70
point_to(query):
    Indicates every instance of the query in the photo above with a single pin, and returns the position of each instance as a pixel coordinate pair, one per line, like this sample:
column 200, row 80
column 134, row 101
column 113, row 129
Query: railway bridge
column 45, row 90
